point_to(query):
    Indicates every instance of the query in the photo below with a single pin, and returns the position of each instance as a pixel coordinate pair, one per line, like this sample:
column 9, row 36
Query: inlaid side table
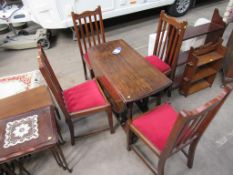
column 30, row 126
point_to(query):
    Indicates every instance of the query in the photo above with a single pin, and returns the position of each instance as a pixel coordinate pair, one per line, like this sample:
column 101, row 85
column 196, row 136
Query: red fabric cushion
column 157, row 124
column 158, row 63
column 87, row 60
column 83, row 96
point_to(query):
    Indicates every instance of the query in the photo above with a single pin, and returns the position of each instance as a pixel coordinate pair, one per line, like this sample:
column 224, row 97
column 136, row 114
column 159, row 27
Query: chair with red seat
column 76, row 102
column 166, row 131
column 167, row 46
column 89, row 31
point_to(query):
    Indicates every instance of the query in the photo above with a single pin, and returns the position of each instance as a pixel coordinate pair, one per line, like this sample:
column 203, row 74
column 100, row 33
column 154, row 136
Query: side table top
column 25, row 101
column 25, row 133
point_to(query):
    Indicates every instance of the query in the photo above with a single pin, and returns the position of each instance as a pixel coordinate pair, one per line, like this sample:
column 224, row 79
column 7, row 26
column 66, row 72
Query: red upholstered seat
column 158, row 63
column 157, row 124
column 87, row 60
column 83, row 96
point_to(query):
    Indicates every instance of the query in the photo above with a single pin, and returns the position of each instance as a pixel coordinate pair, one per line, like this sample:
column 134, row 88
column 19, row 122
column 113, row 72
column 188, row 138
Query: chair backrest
column 169, row 38
column 89, row 29
column 190, row 125
column 50, row 77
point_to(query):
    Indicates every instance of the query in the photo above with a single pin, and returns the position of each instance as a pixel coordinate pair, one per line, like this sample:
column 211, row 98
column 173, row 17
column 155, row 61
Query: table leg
column 122, row 117
column 7, row 169
column 62, row 157
column 143, row 104
column 21, row 167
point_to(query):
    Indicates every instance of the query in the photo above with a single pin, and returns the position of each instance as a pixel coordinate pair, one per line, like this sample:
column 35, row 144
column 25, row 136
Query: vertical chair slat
column 170, row 42
column 82, row 34
column 92, row 29
column 173, row 48
column 87, row 31
column 97, row 28
column 161, row 39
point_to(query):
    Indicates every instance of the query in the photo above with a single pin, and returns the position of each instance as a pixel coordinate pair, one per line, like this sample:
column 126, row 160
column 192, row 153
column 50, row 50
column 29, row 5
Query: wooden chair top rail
column 172, row 20
column 87, row 13
column 129, row 74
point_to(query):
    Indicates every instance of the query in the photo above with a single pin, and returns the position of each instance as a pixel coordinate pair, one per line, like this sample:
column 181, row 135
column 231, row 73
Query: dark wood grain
column 46, row 129
column 25, row 101
column 127, row 76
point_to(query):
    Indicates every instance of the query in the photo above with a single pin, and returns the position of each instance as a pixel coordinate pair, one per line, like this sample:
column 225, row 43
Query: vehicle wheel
column 44, row 42
column 180, row 7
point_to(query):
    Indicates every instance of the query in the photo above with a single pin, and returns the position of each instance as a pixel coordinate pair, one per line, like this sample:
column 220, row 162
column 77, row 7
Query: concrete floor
column 104, row 153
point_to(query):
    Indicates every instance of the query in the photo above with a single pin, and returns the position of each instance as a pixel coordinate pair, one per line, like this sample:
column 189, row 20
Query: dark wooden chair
column 168, row 42
column 76, row 102
column 89, row 31
column 166, row 131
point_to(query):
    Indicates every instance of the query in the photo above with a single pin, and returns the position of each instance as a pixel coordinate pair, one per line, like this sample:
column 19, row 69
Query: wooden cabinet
column 202, row 67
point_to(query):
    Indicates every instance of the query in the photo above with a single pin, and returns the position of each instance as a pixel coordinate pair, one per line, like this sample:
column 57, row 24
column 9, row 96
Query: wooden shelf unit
column 213, row 31
column 202, row 67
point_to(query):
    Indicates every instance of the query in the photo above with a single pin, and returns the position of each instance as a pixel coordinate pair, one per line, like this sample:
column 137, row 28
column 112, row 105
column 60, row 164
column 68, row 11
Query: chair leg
column 71, row 128
column 85, row 70
column 159, row 98
column 191, row 153
column 92, row 73
column 129, row 139
column 7, row 169
column 110, row 119
column 161, row 166
column 169, row 91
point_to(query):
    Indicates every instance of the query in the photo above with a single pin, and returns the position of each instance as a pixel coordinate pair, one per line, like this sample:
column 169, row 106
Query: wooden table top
column 126, row 76
column 26, row 133
column 25, row 101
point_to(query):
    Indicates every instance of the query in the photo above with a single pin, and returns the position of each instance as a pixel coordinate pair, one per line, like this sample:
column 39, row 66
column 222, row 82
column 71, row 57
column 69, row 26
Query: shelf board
column 208, row 58
column 203, row 73
column 198, row 86
column 193, row 32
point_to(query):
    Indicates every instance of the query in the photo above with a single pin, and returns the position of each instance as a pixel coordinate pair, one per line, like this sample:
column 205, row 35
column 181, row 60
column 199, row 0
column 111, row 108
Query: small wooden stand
column 202, row 67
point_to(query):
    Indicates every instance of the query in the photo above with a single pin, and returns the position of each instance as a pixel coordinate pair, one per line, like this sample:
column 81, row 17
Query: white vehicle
column 55, row 14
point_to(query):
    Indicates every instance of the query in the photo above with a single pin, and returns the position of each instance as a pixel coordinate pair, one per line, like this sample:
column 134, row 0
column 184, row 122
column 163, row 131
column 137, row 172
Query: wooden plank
column 208, row 58
column 198, row 86
column 192, row 32
column 205, row 72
